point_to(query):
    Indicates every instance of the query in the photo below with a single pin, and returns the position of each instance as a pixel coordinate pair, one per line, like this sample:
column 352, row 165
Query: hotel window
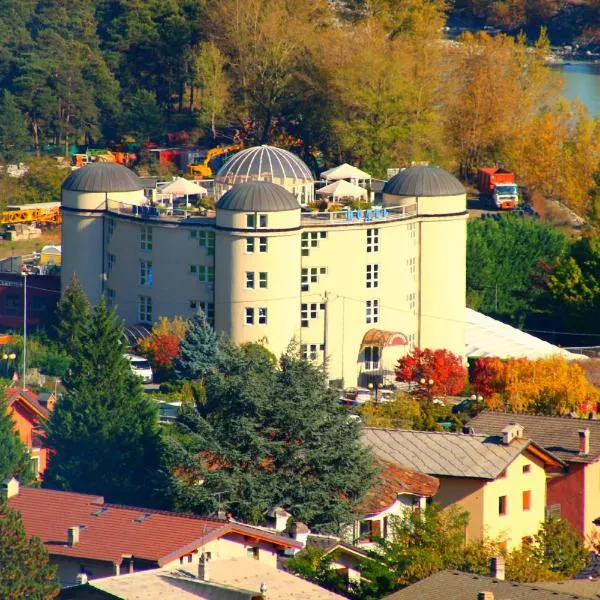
column 311, row 240
column 249, row 280
column 251, row 221
column 309, row 311
column 372, row 276
column 145, row 237
column 412, row 231
column 371, row 358
column 372, row 311
column 262, row 280
column 411, row 264
column 411, row 300
column 502, row 505
column 372, row 240
column 145, row 309
column 263, row 244
column 110, row 262
column 262, row 316
column 208, row 308
column 249, row 245
column 527, row 500
column 311, row 275
column 311, row 351
column 411, row 341
column 206, row 239
column 249, row 315
column 206, row 274
column 146, row 273
column 263, row 221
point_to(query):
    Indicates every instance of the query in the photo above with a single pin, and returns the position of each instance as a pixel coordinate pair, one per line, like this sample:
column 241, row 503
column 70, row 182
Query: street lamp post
column 374, row 387
column 24, row 274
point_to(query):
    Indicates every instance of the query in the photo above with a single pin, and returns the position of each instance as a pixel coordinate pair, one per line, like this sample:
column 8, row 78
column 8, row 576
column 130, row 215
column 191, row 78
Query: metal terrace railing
column 377, row 214
column 147, row 212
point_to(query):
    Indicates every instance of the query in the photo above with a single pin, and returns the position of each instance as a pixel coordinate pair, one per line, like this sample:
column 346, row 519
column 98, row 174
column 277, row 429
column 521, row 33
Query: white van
column 140, row 367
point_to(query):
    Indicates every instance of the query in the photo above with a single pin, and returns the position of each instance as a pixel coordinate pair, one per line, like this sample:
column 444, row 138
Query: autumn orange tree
column 162, row 346
column 432, row 372
column 548, row 386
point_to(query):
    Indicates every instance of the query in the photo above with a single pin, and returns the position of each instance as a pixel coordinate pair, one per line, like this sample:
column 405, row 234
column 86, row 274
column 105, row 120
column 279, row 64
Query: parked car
column 462, row 406
column 140, row 367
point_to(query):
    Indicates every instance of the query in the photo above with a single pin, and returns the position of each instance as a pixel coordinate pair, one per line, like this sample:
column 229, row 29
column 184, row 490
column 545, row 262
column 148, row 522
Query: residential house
column 85, row 536
column 29, row 411
column 457, row 585
column 233, row 579
column 396, row 490
column 576, row 495
column 499, row 480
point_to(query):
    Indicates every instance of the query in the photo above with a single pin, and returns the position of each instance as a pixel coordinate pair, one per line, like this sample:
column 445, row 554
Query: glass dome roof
column 264, row 163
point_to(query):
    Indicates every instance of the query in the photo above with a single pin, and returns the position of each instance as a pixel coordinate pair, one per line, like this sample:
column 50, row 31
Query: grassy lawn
column 8, row 248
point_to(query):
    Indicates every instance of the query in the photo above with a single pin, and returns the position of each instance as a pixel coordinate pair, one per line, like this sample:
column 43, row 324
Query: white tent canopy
column 345, row 171
column 485, row 336
column 342, row 189
column 183, row 187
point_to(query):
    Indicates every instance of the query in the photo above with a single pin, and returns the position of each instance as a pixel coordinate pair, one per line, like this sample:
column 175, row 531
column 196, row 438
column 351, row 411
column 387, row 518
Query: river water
column 582, row 80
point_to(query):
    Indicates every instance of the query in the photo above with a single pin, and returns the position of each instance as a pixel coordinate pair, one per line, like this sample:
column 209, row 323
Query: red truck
column 500, row 184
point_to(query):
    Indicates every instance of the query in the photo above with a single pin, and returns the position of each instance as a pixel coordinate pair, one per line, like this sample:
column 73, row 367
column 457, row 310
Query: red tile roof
column 28, row 398
column 393, row 480
column 108, row 531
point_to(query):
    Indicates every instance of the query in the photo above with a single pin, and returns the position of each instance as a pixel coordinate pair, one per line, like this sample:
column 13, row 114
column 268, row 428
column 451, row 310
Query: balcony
column 377, row 214
column 162, row 214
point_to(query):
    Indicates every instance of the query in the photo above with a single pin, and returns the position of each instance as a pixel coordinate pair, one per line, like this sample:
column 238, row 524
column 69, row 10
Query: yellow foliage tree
column 550, row 386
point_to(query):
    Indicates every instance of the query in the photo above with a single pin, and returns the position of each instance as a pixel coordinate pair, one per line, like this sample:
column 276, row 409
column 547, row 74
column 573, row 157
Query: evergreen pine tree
column 272, row 435
column 14, row 137
column 14, row 456
column 25, row 571
column 104, row 432
column 199, row 349
column 71, row 315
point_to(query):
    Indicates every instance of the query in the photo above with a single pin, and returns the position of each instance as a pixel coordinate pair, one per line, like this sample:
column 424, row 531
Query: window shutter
column 375, row 528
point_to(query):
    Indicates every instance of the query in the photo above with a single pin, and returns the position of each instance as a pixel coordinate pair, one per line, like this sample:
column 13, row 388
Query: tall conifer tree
column 24, row 568
column 104, row 432
column 71, row 315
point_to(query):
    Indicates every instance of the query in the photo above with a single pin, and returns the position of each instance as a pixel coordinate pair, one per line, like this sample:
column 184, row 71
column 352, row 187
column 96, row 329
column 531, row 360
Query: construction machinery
column 204, row 169
column 103, row 155
column 44, row 212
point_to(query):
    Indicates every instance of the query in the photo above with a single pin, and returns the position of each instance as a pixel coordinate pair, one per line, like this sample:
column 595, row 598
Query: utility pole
column 325, row 319
column 24, row 274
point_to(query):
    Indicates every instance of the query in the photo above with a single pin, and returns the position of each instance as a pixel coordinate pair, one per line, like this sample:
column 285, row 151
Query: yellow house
column 499, row 480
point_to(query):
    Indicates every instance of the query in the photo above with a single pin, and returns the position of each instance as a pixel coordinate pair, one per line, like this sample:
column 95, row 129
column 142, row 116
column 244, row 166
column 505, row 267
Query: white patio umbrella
column 183, row 187
column 345, row 171
column 342, row 189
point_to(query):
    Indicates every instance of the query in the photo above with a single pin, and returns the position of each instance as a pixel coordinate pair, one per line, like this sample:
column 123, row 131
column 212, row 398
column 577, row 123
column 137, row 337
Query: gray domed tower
column 271, row 164
column 85, row 196
column 441, row 234
column 257, row 292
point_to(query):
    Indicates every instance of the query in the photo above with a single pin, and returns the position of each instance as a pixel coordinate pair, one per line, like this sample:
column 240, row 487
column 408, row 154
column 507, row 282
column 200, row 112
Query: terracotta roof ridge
column 456, row 434
column 517, row 416
column 168, row 513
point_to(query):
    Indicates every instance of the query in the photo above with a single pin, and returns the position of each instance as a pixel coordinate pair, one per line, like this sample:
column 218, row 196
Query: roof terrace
column 194, row 216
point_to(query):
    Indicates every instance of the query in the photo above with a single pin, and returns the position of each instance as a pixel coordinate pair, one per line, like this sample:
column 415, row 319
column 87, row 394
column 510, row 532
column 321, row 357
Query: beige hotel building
column 356, row 289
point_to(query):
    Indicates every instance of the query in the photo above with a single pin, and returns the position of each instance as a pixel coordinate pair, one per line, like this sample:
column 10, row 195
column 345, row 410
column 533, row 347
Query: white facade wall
column 419, row 289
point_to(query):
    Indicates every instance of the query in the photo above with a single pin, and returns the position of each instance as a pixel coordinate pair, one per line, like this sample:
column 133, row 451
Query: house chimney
column 9, row 488
column 468, row 430
column 300, row 532
column 81, row 578
column 485, row 596
column 204, row 567
column 512, row 431
column 497, row 570
column 73, row 535
column 584, row 441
